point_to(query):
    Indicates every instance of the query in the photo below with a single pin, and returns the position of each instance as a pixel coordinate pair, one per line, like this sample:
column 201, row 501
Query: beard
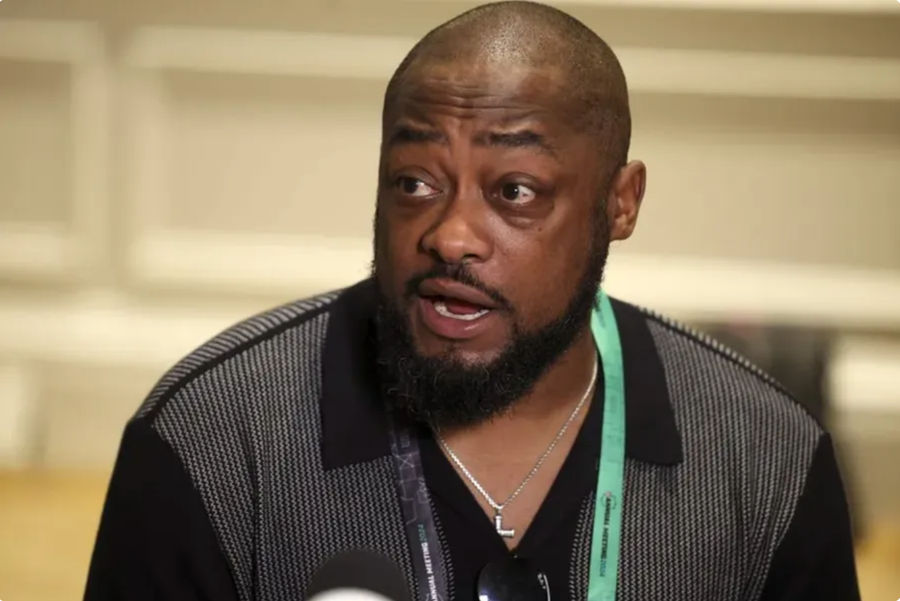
column 443, row 391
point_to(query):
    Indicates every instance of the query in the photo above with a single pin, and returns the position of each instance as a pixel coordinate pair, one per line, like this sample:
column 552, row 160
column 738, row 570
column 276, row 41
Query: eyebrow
column 518, row 139
column 410, row 134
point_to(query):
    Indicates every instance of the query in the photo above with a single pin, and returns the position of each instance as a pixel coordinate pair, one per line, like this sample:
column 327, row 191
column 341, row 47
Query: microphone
column 359, row 576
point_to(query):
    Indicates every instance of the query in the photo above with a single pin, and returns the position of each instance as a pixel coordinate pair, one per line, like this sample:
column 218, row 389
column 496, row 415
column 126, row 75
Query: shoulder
column 241, row 417
column 724, row 403
column 262, row 347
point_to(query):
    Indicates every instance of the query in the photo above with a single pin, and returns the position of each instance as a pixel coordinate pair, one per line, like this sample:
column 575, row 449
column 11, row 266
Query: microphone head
column 359, row 576
column 348, row 594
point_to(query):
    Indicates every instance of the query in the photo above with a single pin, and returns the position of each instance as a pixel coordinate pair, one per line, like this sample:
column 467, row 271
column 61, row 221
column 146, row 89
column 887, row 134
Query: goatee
column 443, row 391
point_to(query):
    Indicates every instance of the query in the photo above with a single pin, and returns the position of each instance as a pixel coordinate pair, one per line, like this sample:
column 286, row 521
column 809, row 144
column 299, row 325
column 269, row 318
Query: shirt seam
column 707, row 342
column 174, row 388
column 148, row 423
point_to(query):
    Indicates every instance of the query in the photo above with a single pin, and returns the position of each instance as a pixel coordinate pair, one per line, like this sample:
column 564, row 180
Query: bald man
column 478, row 412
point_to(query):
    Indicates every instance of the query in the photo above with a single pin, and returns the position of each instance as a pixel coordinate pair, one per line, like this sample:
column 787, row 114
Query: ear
column 624, row 200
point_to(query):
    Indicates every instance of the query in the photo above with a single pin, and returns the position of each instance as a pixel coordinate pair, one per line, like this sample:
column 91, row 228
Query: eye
column 517, row 193
column 411, row 186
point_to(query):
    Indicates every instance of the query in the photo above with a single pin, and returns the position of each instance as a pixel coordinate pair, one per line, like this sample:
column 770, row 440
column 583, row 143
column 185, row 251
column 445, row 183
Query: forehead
column 485, row 91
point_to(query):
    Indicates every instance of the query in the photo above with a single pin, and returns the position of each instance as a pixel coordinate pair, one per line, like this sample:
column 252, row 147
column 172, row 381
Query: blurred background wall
column 169, row 167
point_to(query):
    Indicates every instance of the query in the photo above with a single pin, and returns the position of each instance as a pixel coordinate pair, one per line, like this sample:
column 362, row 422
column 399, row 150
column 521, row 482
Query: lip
column 454, row 290
column 448, row 328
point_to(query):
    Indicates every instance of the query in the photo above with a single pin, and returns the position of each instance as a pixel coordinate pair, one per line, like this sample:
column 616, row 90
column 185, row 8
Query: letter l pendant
column 498, row 524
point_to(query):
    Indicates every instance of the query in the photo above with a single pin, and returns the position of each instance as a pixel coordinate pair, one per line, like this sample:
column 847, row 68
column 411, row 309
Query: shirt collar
column 354, row 425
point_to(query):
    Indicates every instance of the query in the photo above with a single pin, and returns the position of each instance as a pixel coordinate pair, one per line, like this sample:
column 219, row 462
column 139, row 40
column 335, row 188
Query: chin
column 481, row 350
column 459, row 353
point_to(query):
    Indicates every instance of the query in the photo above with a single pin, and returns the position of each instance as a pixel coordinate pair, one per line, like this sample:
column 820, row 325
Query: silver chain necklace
column 499, row 507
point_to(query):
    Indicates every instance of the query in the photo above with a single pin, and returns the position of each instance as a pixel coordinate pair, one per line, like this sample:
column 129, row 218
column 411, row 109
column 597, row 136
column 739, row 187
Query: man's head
column 502, row 180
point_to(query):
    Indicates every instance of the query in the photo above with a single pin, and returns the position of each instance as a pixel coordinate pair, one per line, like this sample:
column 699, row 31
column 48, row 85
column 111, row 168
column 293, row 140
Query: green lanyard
column 608, row 502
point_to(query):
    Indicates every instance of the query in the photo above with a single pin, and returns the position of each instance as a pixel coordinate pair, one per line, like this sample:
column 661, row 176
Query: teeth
column 441, row 308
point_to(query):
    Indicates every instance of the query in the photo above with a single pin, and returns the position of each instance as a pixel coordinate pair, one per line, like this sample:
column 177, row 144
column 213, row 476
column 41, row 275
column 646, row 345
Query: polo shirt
column 264, row 453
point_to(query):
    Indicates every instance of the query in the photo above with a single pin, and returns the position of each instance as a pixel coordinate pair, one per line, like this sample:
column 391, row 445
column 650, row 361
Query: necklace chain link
column 498, row 507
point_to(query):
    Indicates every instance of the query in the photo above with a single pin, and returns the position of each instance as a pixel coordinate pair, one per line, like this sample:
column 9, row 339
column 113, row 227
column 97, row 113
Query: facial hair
column 442, row 391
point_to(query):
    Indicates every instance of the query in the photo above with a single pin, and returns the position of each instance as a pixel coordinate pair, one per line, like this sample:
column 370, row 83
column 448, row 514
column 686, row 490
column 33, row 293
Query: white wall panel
column 287, row 155
column 35, row 142
column 54, row 134
column 771, row 180
column 266, row 177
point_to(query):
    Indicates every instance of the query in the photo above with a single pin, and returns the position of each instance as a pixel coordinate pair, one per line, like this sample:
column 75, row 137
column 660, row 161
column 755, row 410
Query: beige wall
column 168, row 167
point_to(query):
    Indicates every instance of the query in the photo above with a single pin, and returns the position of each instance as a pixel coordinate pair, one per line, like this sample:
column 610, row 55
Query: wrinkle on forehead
column 511, row 94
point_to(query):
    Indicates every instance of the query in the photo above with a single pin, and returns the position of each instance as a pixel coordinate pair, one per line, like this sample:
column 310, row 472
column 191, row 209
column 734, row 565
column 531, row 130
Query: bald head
column 503, row 178
column 527, row 35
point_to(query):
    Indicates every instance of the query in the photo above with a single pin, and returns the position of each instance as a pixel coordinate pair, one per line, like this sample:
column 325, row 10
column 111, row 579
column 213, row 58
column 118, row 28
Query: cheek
column 542, row 272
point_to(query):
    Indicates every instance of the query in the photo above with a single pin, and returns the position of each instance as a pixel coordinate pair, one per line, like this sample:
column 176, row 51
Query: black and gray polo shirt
column 264, row 453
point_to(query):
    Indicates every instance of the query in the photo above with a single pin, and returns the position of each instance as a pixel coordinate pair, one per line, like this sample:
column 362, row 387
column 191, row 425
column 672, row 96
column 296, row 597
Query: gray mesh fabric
column 248, row 431
column 229, row 341
column 708, row 527
column 242, row 413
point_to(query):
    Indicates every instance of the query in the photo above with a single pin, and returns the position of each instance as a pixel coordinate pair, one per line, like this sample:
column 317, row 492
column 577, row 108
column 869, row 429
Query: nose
column 460, row 235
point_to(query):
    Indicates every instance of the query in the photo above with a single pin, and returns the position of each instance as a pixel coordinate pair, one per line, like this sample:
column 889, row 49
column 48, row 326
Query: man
column 469, row 358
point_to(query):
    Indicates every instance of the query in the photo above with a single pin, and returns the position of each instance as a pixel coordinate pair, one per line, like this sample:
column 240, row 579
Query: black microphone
column 358, row 576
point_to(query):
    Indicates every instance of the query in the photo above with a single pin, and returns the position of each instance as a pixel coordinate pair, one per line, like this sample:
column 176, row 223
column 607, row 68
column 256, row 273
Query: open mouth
column 457, row 309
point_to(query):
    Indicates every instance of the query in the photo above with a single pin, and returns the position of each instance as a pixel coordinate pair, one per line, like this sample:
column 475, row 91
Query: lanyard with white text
column 608, row 503
column 418, row 521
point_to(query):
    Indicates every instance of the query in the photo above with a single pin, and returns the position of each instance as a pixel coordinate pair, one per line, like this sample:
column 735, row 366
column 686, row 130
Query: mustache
column 461, row 273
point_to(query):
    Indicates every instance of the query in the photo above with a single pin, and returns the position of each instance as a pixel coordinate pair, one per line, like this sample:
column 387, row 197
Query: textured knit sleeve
column 155, row 540
column 814, row 561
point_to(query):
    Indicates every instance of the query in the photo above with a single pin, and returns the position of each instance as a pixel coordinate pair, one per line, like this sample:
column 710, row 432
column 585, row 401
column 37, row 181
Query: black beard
column 443, row 391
